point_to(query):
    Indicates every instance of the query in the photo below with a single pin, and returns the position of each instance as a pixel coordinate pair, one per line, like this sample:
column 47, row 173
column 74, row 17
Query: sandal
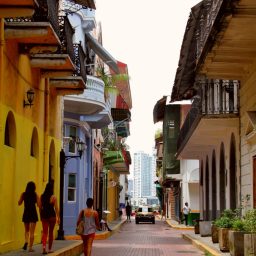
column 25, row 246
column 31, row 250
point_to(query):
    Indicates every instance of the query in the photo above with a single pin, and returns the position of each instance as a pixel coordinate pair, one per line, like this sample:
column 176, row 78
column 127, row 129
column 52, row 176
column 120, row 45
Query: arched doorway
column 207, row 190
column 214, row 187
column 232, row 173
column 222, row 179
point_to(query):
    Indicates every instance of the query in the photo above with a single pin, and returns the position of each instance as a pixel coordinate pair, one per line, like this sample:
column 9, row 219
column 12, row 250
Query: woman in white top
column 91, row 223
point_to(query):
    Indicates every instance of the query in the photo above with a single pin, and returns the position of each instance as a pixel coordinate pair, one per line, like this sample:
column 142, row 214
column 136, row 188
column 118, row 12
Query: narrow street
column 145, row 240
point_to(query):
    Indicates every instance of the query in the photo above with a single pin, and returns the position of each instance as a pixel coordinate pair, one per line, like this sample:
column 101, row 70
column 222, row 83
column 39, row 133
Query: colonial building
column 39, row 64
column 217, row 71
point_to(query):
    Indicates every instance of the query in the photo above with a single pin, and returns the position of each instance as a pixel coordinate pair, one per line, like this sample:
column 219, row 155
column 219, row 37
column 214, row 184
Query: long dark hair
column 30, row 192
column 48, row 192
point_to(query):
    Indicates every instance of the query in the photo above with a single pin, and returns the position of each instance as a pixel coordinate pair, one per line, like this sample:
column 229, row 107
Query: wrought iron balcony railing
column 216, row 99
column 46, row 11
column 79, row 61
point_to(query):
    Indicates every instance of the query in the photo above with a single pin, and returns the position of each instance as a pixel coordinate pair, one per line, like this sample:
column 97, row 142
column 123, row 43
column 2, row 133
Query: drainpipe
column 2, row 43
column 240, row 143
column 46, row 130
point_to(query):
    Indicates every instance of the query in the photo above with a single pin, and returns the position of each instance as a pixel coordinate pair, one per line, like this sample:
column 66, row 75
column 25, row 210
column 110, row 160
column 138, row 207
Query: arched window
column 34, row 148
column 10, row 131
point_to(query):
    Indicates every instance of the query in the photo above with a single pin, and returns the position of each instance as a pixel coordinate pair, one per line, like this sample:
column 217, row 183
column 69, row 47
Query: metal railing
column 66, row 37
column 216, row 98
column 79, row 61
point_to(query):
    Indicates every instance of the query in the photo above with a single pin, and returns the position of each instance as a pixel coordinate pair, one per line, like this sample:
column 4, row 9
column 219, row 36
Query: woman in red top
column 49, row 213
column 91, row 223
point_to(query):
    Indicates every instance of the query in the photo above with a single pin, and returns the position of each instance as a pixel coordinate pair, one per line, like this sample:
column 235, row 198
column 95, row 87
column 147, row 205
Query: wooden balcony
column 17, row 8
column 213, row 112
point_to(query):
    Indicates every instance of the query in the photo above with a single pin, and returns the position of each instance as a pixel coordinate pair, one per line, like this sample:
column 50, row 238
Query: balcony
column 213, row 112
column 101, row 119
column 225, row 41
column 17, row 8
column 75, row 83
column 47, row 39
column 42, row 28
column 90, row 102
column 117, row 161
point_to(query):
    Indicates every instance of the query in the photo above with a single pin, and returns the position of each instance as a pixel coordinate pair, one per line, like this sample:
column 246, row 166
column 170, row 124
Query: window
column 72, row 187
column 10, row 131
column 72, row 144
column 171, row 129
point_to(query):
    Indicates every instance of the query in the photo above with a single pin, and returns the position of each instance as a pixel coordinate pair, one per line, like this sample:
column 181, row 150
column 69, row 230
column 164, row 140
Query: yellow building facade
column 30, row 139
column 31, row 134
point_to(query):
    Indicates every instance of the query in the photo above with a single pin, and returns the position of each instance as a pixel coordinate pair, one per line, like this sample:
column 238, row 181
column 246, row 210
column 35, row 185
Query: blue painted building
column 82, row 114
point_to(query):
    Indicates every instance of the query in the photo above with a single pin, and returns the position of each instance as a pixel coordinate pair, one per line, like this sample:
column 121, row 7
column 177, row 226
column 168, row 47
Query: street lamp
column 63, row 160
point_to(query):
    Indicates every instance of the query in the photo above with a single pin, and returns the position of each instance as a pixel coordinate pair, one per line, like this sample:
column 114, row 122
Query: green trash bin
column 193, row 216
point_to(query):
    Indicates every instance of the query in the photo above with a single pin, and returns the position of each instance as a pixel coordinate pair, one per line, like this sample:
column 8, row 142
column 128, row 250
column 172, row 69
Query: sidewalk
column 71, row 246
column 203, row 243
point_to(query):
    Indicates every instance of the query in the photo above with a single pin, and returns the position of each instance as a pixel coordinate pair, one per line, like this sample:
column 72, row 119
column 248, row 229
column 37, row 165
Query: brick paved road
column 145, row 240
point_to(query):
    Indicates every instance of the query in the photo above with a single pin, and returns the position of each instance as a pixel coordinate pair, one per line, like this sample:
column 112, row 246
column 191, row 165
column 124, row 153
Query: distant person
column 30, row 217
column 120, row 211
column 104, row 223
column 163, row 213
column 128, row 210
column 91, row 223
column 186, row 210
column 49, row 216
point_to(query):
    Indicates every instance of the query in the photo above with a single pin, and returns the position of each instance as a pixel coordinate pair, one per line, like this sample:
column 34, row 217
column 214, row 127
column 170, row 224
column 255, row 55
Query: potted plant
column 250, row 237
column 224, row 224
column 236, row 237
column 215, row 236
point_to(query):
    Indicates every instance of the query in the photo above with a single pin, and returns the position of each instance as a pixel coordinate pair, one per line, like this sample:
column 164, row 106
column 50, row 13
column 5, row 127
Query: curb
column 99, row 236
column 203, row 247
column 179, row 226
column 72, row 250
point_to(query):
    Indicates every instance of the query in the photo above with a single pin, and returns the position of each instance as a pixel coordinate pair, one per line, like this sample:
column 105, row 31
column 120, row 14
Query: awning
column 124, row 85
column 159, row 108
column 87, row 3
column 119, row 114
column 102, row 52
column 185, row 73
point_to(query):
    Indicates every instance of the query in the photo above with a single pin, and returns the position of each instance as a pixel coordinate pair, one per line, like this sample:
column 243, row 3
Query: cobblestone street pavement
column 145, row 240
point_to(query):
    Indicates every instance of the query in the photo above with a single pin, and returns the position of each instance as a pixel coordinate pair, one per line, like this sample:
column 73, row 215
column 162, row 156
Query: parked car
column 144, row 214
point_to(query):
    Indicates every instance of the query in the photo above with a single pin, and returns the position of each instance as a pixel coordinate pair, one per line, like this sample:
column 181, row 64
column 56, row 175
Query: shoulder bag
column 80, row 225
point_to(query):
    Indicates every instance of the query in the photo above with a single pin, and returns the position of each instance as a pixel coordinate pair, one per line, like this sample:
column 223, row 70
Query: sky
column 147, row 36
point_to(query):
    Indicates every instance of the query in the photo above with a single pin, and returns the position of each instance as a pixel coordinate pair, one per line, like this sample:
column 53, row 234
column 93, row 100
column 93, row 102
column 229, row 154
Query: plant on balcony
column 110, row 80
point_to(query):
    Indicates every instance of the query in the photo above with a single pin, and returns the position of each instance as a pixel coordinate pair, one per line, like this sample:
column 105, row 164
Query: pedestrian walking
column 30, row 217
column 128, row 210
column 49, row 213
column 186, row 210
column 91, row 223
column 163, row 213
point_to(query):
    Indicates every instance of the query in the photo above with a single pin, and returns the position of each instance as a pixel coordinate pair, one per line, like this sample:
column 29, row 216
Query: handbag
column 80, row 226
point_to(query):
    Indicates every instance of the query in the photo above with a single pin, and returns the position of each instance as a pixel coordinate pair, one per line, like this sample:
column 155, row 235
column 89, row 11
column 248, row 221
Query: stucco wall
column 17, row 165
